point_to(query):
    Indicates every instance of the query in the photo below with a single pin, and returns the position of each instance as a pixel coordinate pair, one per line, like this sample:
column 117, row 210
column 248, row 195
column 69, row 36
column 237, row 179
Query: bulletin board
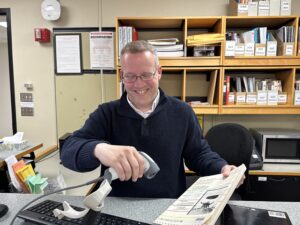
column 84, row 47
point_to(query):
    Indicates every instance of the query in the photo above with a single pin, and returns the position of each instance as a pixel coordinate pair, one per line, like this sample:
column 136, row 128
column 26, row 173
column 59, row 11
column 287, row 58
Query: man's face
column 140, row 92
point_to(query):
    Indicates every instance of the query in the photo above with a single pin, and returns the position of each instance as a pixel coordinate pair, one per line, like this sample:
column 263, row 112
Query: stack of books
column 167, row 47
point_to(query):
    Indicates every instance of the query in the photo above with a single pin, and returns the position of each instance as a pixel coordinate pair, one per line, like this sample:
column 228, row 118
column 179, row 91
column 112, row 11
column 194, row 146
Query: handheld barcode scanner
column 95, row 200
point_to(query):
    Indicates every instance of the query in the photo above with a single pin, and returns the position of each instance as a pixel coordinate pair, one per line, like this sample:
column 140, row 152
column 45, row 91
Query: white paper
column 16, row 139
column 9, row 162
column 101, row 50
column 68, row 58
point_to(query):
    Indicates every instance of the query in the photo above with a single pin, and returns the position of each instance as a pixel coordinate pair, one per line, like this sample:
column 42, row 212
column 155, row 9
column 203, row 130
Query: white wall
column 5, row 99
column 34, row 61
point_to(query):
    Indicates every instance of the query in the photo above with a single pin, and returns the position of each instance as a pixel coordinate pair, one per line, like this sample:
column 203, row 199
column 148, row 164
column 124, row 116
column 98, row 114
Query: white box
column 271, row 48
column 297, row 98
column 275, row 7
column 272, row 97
column 263, row 8
column 249, row 48
column 260, row 49
column 239, row 49
column 230, row 48
column 262, row 98
column 282, row 98
column 285, row 7
column 251, row 98
column 252, row 8
column 240, row 98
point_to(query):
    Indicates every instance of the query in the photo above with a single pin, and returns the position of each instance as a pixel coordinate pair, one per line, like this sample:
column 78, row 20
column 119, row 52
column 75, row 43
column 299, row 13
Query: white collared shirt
column 147, row 113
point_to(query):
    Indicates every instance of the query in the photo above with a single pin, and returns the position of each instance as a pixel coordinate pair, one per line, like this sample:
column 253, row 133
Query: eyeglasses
column 131, row 77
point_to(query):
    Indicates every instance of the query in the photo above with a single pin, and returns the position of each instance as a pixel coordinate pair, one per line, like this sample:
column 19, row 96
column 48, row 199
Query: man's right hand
column 126, row 160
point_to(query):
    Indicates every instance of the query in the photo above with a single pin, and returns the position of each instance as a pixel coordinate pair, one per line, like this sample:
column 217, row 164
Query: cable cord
column 99, row 179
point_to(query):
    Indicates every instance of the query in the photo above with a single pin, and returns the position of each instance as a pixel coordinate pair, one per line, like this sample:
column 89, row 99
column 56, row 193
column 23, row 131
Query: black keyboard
column 42, row 213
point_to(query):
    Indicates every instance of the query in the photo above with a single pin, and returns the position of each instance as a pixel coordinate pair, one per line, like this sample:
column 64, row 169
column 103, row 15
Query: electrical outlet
column 26, row 97
column 26, row 111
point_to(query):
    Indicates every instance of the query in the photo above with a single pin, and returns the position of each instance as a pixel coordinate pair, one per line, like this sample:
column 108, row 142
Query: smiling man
column 144, row 119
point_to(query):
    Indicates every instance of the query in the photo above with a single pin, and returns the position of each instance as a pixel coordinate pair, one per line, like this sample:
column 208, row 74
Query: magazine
column 204, row 201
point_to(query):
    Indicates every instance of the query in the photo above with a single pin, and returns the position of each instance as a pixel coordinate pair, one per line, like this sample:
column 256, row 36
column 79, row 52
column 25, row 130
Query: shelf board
column 190, row 61
column 206, row 109
column 260, row 110
column 262, row 61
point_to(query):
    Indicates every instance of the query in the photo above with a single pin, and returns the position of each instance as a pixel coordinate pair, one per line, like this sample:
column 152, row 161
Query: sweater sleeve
column 197, row 153
column 78, row 150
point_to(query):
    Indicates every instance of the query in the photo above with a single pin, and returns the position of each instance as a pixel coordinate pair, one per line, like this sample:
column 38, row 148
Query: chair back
column 234, row 143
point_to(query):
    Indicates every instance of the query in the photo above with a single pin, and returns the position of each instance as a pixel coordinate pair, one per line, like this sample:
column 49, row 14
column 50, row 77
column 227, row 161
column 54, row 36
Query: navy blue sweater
column 169, row 135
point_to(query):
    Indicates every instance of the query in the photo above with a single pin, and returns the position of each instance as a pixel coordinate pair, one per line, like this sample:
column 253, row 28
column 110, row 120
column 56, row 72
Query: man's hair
column 138, row 47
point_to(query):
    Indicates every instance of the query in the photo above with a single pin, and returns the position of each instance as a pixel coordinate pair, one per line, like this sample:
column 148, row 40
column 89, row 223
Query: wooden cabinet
column 190, row 77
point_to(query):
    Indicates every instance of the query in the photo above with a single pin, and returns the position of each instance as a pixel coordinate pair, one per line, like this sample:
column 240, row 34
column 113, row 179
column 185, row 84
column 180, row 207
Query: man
column 147, row 120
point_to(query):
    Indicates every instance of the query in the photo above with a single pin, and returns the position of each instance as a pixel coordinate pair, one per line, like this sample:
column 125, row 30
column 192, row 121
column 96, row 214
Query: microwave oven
column 277, row 145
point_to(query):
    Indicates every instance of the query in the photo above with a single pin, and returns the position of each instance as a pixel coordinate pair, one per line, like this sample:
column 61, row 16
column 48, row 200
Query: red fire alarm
column 42, row 34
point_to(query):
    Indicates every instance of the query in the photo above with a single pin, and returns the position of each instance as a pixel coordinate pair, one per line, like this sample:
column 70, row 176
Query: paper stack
column 167, row 47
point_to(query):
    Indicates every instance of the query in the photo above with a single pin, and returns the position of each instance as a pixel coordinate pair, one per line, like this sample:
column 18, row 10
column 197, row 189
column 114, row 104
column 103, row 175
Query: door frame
column 6, row 12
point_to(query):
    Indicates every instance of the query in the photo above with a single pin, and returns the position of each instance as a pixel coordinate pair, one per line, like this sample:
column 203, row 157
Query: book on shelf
column 126, row 34
column 212, row 87
column 203, row 202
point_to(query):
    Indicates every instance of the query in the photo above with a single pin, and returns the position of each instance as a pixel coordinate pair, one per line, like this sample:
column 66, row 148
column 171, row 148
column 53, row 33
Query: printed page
column 203, row 202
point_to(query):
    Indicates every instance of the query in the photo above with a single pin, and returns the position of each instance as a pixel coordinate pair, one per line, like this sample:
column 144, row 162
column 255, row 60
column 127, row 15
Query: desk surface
column 277, row 169
column 18, row 154
column 145, row 210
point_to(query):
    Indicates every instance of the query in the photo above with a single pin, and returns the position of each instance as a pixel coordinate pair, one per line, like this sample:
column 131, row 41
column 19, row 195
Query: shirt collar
column 147, row 113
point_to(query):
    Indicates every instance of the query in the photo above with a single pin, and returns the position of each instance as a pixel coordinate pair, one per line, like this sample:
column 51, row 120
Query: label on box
column 297, row 98
column 239, row 49
column 243, row 8
column 260, row 50
column 261, row 97
column 271, row 48
column 252, row 9
column 230, row 47
column 272, row 97
column 282, row 98
column 263, row 8
column 289, row 49
column 251, row 98
column 240, row 98
column 231, row 98
column 249, row 49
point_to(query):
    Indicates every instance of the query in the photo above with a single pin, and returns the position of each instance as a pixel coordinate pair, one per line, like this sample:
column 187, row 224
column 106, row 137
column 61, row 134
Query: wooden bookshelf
column 178, row 71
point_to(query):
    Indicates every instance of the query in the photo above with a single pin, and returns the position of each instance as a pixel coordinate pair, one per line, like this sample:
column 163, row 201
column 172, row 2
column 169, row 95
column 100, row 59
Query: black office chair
column 234, row 143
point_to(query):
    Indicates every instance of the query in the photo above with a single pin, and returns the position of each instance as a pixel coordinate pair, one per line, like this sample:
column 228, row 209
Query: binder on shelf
column 263, row 8
column 212, row 87
column 285, row 7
